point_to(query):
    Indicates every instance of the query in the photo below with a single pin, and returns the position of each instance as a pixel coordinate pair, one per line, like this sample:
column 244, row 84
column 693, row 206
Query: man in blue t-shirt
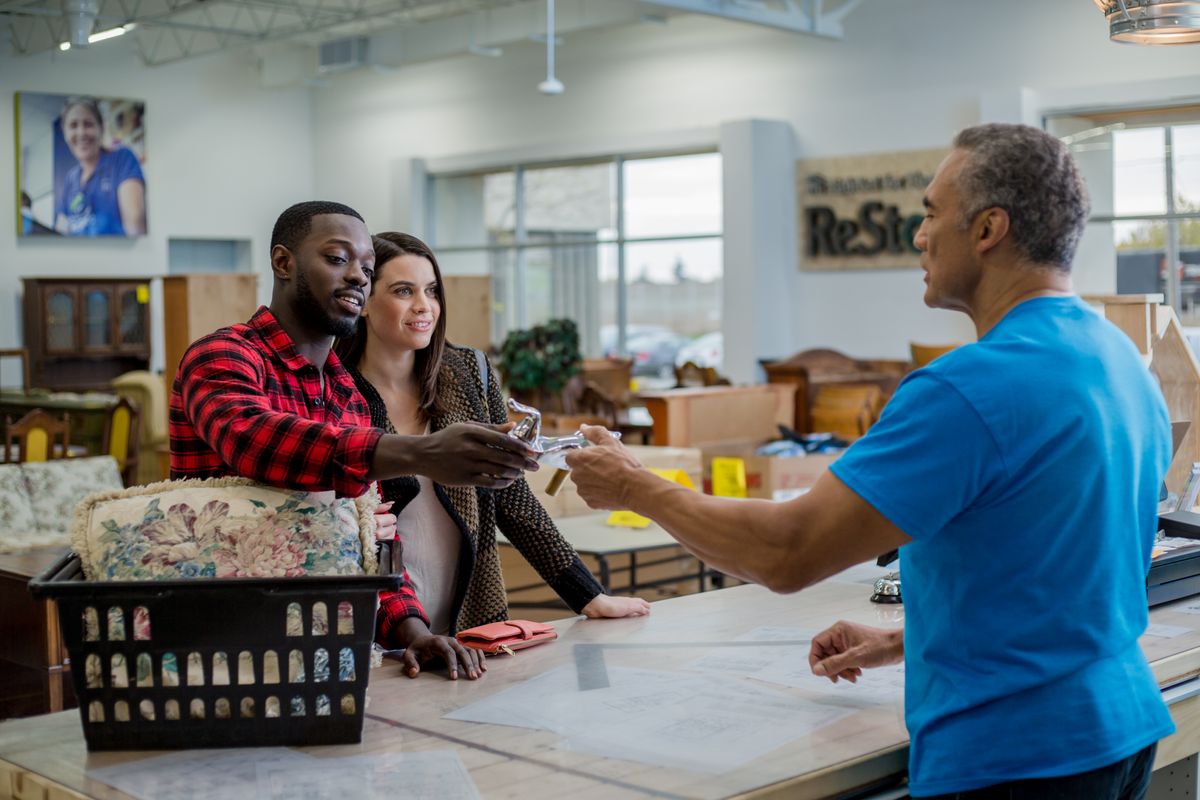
column 1019, row 476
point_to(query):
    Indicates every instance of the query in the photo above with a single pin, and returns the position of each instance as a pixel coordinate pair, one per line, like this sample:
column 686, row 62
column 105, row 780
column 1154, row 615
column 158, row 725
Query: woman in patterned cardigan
column 415, row 382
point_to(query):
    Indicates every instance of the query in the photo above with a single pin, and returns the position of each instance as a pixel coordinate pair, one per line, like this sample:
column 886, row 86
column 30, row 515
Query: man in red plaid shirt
column 269, row 400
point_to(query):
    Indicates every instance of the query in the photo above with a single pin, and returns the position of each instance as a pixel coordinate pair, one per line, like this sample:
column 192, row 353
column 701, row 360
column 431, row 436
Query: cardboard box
column 769, row 477
column 718, row 414
column 567, row 502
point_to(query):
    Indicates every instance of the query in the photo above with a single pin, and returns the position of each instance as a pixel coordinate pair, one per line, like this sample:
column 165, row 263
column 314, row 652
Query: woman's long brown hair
column 390, row 245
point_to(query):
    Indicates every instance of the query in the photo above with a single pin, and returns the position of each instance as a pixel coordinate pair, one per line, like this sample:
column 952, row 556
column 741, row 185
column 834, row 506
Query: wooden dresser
column 35, row 675
column 83, row 332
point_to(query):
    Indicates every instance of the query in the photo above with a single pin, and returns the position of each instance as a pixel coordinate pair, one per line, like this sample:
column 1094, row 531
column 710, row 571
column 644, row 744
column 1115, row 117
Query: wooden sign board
column 861, row 212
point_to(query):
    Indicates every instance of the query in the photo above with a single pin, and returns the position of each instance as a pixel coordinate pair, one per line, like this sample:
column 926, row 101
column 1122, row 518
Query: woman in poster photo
column 104, row 194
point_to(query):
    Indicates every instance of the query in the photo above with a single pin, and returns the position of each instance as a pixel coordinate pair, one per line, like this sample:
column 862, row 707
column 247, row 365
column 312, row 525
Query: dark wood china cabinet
column 83, row 332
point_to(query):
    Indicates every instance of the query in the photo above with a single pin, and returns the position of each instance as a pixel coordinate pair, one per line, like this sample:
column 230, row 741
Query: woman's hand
column 385, row 522
column 607, row 606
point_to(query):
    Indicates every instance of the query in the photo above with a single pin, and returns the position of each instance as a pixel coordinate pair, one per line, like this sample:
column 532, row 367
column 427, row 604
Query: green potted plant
column 538, row 362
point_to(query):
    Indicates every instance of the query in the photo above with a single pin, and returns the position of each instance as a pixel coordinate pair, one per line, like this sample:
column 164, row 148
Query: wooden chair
column 922, row 354
column 691, row 374
column 812, row 370
column 121, row 433
column 37, row 436
column 846, row 410
column 611, row 375
column 593, row 401
column 21, row 354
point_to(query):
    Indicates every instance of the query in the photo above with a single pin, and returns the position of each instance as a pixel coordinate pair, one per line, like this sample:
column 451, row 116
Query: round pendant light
column 1152, row 21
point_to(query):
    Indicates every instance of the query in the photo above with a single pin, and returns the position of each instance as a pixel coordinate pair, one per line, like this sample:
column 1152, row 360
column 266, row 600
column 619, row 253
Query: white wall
column 223, row 158
column 907, row 75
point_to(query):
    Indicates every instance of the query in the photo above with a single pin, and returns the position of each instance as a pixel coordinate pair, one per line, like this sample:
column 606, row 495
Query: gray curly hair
column 1032, row 176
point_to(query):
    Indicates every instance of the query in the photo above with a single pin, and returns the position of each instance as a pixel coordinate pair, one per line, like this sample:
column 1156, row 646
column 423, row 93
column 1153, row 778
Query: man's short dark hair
column 1032, row 176
column 295, row 223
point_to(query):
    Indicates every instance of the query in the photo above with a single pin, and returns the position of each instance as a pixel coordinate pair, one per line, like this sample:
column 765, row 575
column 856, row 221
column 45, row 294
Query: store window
column 629, row 248
column 1143, row 172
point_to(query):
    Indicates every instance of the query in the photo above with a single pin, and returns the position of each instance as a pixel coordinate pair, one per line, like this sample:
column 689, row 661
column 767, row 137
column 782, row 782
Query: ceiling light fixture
column 551, row 85
column 1152, row 21
column 100, row 36
column 81, row 15
column 111, row 33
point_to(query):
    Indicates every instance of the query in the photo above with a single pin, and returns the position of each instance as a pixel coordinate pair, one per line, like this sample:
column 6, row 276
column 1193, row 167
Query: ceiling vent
column 340, row 55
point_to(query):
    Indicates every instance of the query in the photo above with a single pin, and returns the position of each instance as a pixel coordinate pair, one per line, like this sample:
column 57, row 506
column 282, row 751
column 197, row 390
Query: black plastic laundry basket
column 210, row 662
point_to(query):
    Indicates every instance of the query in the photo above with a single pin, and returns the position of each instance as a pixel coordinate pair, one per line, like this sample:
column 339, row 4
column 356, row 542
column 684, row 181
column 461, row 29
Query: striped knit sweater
column 479, row 596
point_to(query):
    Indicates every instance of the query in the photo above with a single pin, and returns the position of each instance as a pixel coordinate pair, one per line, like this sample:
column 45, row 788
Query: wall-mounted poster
column 861, row 212
column 79, row 165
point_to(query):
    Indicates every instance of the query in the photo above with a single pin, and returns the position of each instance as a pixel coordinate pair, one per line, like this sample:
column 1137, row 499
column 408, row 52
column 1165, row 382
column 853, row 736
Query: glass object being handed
column 552, row 450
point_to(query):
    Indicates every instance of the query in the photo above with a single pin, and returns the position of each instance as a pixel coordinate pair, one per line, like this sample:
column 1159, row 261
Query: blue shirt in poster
column 1026, row 468
column 91, row 209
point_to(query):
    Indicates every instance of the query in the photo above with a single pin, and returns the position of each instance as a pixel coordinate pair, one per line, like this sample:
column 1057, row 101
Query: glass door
column 97, row 318
column 60, row 330
column 132, row 303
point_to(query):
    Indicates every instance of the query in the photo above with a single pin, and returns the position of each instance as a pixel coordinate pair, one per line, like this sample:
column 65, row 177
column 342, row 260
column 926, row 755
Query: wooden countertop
column 405, row 714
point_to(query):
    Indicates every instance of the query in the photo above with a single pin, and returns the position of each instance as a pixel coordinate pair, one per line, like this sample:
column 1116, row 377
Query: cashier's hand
column 385, row 522
column 847, row 648
column 602, row 473
column 605, row 606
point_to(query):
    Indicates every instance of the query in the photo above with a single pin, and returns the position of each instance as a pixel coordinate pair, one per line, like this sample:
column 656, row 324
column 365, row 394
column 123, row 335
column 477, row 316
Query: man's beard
column 312, row 310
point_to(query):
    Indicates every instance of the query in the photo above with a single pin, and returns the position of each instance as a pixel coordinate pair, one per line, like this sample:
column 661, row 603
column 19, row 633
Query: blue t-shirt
column 1026, row 468
column 91, row 209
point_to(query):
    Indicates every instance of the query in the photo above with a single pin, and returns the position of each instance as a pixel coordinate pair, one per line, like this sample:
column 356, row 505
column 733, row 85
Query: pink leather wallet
column 505, row 637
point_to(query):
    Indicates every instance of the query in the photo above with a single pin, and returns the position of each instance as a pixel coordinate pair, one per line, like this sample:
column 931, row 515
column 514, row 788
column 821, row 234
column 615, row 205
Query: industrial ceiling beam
column 808, row 16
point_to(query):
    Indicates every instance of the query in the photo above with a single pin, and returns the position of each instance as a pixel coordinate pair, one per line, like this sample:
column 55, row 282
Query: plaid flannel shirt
column 246, row 403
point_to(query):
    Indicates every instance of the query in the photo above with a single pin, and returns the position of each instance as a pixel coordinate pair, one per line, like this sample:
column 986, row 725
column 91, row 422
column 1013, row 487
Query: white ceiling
column 165, row 31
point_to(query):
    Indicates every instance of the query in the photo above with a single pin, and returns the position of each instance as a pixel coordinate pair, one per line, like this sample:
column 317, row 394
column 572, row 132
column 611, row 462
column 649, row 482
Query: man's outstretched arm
column 783, row 546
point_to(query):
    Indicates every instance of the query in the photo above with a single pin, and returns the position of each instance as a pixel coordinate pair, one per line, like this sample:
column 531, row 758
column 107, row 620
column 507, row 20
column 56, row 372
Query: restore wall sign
column 861, row 212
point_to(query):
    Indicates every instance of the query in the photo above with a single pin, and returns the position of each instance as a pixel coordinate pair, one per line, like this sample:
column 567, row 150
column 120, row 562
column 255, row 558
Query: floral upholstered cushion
column 222, row 528
column 55, row 487
column 18, row 527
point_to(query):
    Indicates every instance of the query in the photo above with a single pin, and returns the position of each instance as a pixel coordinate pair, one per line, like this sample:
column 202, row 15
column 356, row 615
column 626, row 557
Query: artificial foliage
column 541, row 359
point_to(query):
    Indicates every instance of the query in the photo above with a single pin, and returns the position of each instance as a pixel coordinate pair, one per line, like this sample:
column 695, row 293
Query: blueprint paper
column 1166, row 631
column 425, row 775
column 787, row 665
column 197, row 774
column 1191, row 608
column 691, row 722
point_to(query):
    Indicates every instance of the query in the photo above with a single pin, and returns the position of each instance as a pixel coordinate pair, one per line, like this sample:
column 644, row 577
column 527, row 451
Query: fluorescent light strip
column 100, row 36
